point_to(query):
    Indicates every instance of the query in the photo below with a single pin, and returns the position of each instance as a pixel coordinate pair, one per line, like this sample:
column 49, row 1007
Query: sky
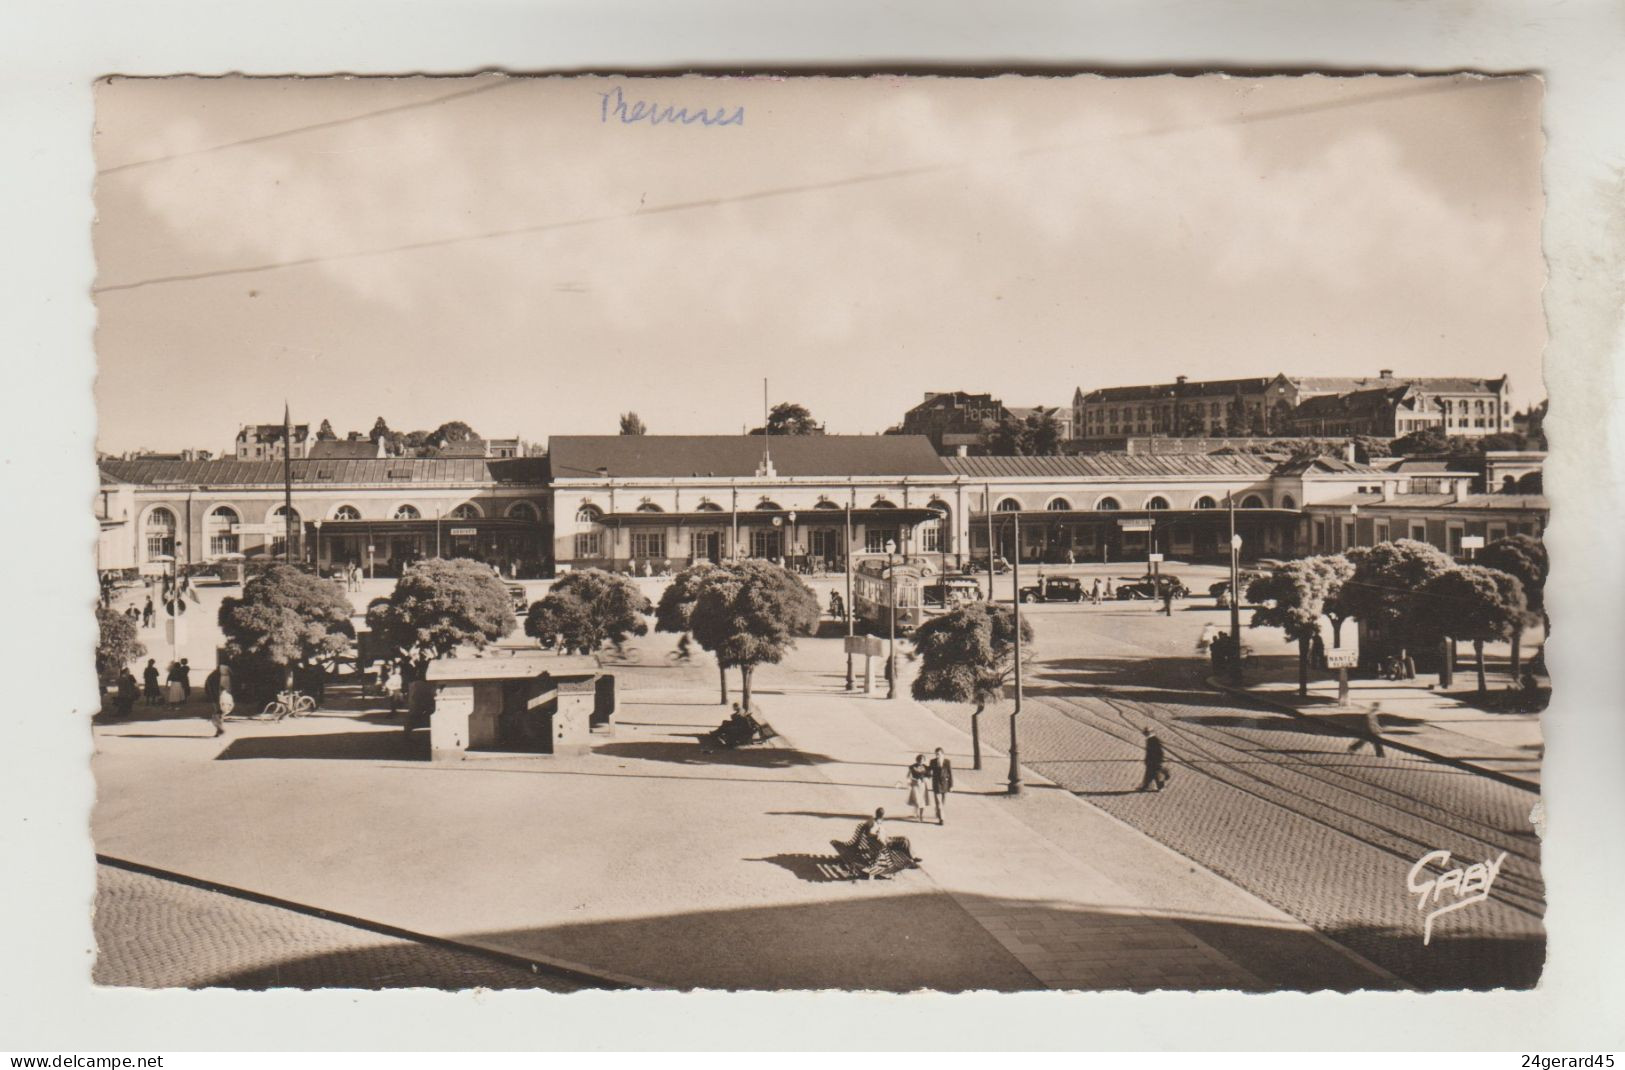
column 514, row 253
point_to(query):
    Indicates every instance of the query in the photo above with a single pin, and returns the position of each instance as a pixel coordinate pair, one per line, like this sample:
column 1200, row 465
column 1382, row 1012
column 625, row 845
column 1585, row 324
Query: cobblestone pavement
column 155, row 933
column 1283, row 808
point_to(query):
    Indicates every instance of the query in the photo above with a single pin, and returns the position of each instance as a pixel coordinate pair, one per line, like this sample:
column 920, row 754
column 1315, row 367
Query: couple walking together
column 929, row 782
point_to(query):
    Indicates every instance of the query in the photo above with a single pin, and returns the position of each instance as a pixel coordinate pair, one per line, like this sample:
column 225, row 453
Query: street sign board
column 259, row 529
column 869, row 645
column 1153, row 557
column 465, row 531
column 1342, row 650
column 1472, row 542
column 1134, row 525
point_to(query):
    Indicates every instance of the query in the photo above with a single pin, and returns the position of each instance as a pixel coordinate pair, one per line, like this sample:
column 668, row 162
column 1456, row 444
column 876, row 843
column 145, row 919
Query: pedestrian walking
column 183, row 676
column 1167, row 599
column 1156, row 769
column 146, row 613
column 1373, row 731
column 149, row 676
column 1071, row 558
column 1094, row 592
column 224, row 701
column 942, row 781
column 1108, row 586
column 919, row 786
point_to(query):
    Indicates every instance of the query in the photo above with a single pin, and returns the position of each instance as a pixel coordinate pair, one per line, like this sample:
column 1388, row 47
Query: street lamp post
column 1015, row 603
column 847, row 554
column 790, row 557
column 891, row 641
column 317, row 562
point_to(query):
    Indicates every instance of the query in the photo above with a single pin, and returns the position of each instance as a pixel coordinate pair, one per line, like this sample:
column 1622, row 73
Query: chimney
column 1459, row 489
column 1180, row 380
column 929, row 394
column 1386, row 373
column 1348, row 452
column 961, row 450
column 1388, row 489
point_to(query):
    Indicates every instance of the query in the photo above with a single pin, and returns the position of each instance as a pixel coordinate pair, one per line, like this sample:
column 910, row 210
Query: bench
column 861, row 859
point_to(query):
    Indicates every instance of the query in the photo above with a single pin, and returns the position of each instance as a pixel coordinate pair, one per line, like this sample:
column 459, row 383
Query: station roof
column 1112, row 466
column 1530, row 503
column 739, row 456
column 404, row 470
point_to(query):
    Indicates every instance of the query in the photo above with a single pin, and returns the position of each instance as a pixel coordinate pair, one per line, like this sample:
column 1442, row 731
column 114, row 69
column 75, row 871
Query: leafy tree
column 1385, row 590
column 116, row 643
column 1523, row 557
column 1036, row 434
column 439, row 605
column 380, row 431
column 676, row 609
column 287, row 619
column 325, row 433
column 632, row 425
column 1531, row 483
column 1474, row 603
column 750, row 614
column 966, row 656
column 1427, row 440
column 589, row 608
column 788, row 418
column 453, row 431
column 1294, row 597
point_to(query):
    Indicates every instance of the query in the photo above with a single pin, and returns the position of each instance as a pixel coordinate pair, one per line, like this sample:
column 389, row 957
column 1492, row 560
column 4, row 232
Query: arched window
column 1058, row 505
column 1252, row 501
column 589, row 514
column 523, row 511
column 1008, row 505
column 589, row 543
column 466, row 511
column 1108, row 504
column 1206, row 502
column 217, row 526
column 1156, row 501
column 159, row 530
column 279, row 537
column 346, row 512
column 882, row 503
column 1288, row 502
column 935, row 534
column 708, row 507
column 765, row 506
column 826, row 504
column 408, row 512
column 649, row 507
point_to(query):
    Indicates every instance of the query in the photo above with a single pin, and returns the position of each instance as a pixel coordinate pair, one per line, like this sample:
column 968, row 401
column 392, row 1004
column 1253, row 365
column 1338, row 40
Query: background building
column 264, row 442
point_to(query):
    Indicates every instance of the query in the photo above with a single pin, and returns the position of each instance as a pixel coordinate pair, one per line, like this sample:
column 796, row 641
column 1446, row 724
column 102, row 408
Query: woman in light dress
column 919, row 786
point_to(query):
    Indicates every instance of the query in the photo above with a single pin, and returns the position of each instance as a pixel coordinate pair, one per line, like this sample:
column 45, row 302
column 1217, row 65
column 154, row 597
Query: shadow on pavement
column 377, row 746
column 817, row 813
column 756, row 757
column 814, row 869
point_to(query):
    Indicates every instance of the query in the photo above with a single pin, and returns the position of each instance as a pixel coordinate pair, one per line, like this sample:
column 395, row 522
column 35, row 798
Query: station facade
column 651, row 504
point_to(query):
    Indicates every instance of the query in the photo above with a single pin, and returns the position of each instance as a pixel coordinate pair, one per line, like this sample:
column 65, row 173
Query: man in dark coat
column 149, row 676
column 942, row 781
column 1156, row 772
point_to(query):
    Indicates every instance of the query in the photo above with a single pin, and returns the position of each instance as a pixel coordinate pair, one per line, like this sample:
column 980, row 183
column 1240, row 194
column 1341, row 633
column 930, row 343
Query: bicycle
column 289, row 704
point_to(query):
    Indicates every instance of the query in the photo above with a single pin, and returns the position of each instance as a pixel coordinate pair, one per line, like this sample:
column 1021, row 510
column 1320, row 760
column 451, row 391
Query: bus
column 877, row 590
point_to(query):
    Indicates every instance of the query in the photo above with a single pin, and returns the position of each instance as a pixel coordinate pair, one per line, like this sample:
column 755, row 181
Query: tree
column 439, row 605
column 1531, row 483
column 1385, row 591
column 632, row 425
column 966, row 656
column 325, row 433
column 1036, row 434
column 589, row 608
column 380, row 431
column 452, row 431
column 287, row 619
column 1427, row 440
column 116, row 643
column 1523, row 557
column 1293, row 598
column 788, row 418
column 1474, row 603
column 750, row 615
column 676, row 609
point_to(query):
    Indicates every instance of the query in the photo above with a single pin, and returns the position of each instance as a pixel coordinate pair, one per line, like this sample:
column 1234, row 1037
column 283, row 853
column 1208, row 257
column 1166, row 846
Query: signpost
column 465, row 531
column 870, row 647
column 1342, row 652
column 1471, row 543
column 1154, row 558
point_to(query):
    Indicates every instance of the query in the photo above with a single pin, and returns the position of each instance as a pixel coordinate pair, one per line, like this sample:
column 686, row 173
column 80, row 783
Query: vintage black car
column 1054, row 589
column 1148, row 587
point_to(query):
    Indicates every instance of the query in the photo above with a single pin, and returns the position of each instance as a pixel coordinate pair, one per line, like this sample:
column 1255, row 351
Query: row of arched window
column 1108, row 503
column 160, row 525
column 591, row 514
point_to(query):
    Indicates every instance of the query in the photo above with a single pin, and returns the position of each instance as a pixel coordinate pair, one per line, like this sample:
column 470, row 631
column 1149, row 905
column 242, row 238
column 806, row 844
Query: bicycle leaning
column 290, row 703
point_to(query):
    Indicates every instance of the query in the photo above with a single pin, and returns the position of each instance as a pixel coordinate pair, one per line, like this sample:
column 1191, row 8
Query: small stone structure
column 525, row 703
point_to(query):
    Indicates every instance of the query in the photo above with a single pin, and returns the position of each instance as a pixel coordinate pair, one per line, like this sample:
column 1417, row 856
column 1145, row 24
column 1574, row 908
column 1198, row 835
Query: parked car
column 521, row 600
column 1221, row 590
column 951, row 591
column 1054, row 589
column 1147, row 587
